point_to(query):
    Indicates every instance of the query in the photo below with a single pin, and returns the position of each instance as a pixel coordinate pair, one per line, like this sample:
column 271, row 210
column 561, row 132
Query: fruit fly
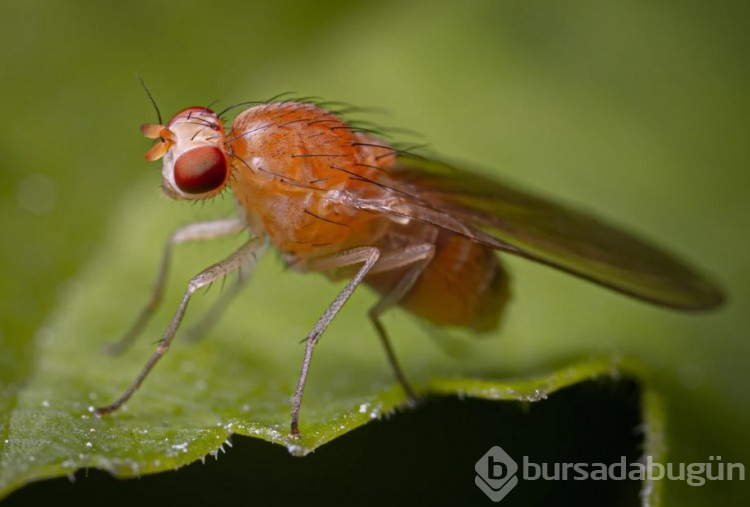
column 337, row 200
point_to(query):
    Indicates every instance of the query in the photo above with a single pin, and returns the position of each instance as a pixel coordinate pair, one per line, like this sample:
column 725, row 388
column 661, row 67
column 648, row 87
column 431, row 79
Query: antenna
column 150, row 97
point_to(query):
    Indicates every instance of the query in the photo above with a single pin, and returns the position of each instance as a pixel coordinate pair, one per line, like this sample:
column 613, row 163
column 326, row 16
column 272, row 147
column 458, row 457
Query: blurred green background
column 638, row 110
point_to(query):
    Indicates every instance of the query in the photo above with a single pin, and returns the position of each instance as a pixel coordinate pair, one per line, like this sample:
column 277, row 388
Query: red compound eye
column 201, row 170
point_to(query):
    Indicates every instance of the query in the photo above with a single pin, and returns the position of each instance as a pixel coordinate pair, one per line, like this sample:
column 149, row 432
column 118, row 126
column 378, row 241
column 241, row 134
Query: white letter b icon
column 496, row 474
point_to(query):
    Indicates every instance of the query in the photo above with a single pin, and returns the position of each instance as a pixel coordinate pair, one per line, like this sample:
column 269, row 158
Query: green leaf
column 634, row 111
column 238, row 380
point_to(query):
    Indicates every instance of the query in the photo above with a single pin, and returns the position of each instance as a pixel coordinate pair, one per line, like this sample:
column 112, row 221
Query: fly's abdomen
column 464, row 285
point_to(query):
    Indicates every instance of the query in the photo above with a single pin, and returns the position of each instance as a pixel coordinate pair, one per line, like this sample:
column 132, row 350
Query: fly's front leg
column 244, row 272
column 369, row 255
column 193, row 232
column 239, row 258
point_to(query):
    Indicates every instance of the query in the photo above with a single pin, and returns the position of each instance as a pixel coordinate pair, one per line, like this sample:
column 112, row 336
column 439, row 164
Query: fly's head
column 191, row 144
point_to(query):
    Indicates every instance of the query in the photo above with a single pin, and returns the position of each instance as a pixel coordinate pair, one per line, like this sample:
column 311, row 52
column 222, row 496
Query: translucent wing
column 517, row 222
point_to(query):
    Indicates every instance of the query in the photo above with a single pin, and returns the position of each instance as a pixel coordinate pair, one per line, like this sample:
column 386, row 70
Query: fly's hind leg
column 192, row 232
column 418, row 256
column 373, row 262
